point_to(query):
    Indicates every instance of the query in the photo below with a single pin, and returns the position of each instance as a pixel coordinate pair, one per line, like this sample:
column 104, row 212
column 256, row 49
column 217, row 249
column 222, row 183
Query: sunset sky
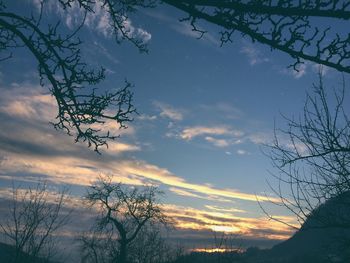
column 204, row 113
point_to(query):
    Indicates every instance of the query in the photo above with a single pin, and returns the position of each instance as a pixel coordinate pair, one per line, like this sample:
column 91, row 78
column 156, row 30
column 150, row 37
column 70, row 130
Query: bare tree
column 35, row 216
column 226, row 246
column 150, row 246
column 292, row 27
column 124, row 212
column 80, row 110
column 312, row 158
column 99, row 246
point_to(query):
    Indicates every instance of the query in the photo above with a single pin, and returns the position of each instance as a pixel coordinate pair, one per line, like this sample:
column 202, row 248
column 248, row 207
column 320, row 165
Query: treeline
column 127, row 227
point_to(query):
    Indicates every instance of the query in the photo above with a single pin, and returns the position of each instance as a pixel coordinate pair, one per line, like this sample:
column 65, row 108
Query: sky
column 205, row 112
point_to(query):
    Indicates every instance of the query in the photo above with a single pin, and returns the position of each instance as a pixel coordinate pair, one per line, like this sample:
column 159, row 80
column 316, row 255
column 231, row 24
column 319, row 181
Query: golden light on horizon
column 187, row 218
column 216, row 250
column 226, row 229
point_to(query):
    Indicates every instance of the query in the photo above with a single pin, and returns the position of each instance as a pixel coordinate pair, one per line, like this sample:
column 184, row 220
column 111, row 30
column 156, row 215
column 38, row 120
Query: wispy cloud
column 163, row 176
column 54, row 155
column 168, row 111
column 119, row 147
column 186, row 193
column 30, row 102
column 227, row 110
column 182, row 192
column 80, row 171
column 98, row 20
column 299, row 72
column 101, row 49
column 302, row 69
column 260, row 137
column 183, row 28
column 254, row 55
column 227, row 135
column 219, row 220
column 191, row 132
column 218, row 142
column 241, row 152
column 30, row 149
column 188, row 220
column 187, row 30
column 221, row 209
column 145, row 117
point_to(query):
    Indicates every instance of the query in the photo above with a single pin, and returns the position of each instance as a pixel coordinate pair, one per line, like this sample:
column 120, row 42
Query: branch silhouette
column 82, row 110
column 287, row 26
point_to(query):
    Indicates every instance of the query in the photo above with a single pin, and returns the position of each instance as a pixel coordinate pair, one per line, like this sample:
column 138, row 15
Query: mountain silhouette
column 324, row 237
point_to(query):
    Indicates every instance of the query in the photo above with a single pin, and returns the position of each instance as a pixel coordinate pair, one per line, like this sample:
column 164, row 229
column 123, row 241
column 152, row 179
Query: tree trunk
column 123, row 252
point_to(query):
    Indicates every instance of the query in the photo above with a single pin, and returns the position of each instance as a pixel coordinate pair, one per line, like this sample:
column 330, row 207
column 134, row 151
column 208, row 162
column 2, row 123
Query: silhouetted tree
column 313, row 157
column 124, row 213
column 226, row 246
column 151, row 247
column 35, row 215
column 292, row 27
column 99, row 246
column 80, row 110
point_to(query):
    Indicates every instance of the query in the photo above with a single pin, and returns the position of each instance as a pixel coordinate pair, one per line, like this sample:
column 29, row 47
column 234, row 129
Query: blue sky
column 205, row 112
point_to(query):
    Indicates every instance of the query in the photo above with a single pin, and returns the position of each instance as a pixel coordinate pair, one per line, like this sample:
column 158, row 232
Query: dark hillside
column 324, row 237
column 7, row 255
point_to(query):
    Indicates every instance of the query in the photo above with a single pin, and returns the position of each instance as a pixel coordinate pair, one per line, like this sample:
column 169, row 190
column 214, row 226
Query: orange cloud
column 204, row 220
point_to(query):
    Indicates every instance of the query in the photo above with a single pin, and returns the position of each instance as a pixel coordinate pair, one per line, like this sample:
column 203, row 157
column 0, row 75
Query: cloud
column 77, row 171
column 218, row 142
column 260, row 137
column 145, row 117
column 51, row 195
column 30, row 149
column 191, row 132
column 67, row 166
column 241, row 152
column 182, row 28
column 167, row 111
column 303, row 68
column 163, row 176
column 67, row 163
column 219, row 220
column 182, row 192
column 254, row 55
column 30, row 107
column 30, row 102
column 185, row 193
column 99, row 20
column 101, row 49
column 119, row 147
column 188, row 221
column 317, row 68
column 187, row 30
column 301, row 71
column 138, row 33
column 227, row 110
column 220, row 209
